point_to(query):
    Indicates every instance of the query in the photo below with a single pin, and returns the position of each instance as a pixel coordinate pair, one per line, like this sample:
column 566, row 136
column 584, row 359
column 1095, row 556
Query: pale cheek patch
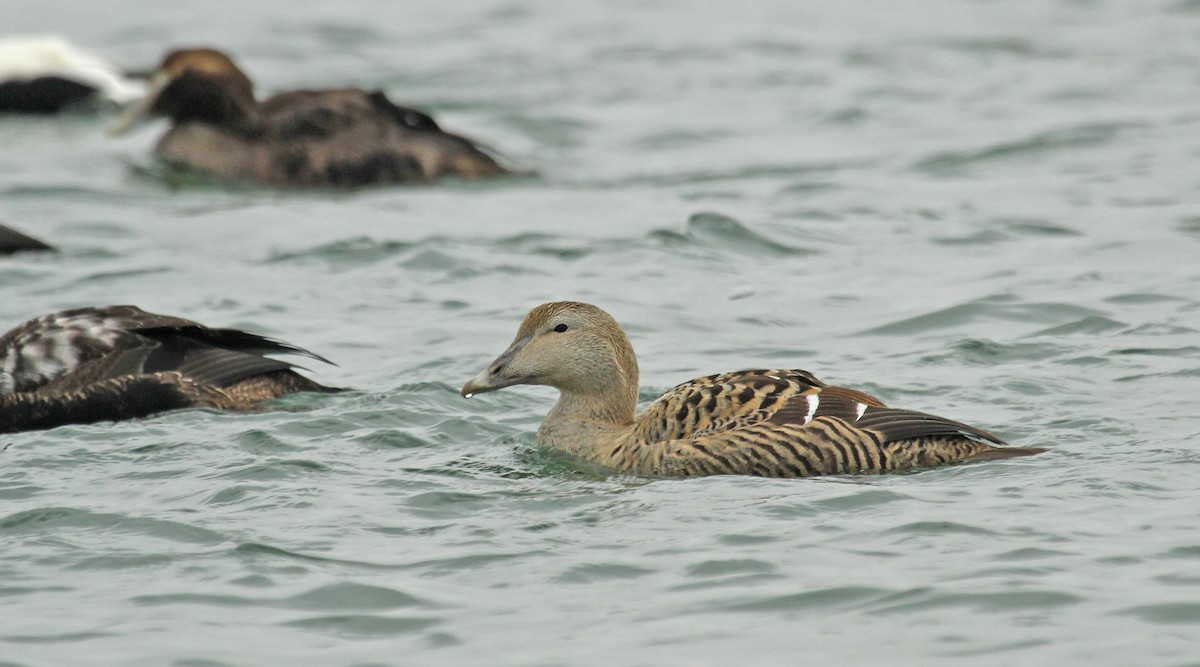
column 862, row 407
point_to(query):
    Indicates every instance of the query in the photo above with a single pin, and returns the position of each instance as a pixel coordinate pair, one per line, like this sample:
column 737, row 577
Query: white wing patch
column 814, row 402
column 7, row 380
column 53, row 346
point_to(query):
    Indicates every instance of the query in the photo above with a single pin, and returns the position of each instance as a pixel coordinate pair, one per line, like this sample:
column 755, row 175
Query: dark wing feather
column 321, row 113
column 403, row 116
column 225, row 368
column 837, row 402
column 231, row 339
column 199, row 362
column 13, row 241
column 893, row 425
column 208, row 357
column 352, row 137
column 299, row 114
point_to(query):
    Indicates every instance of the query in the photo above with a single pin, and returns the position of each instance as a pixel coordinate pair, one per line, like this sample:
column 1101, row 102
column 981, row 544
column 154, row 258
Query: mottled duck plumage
column 120, row 362
column 771, row 423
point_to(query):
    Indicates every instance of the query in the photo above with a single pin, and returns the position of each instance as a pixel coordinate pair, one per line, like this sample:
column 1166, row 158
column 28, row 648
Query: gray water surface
column 984, row 210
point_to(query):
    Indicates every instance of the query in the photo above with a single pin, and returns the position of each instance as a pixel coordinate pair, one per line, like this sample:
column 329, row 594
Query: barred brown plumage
column 771, row 423
column 119, row 362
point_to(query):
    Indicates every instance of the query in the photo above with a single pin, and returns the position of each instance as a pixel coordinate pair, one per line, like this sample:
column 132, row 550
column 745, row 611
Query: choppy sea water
column 985, row 210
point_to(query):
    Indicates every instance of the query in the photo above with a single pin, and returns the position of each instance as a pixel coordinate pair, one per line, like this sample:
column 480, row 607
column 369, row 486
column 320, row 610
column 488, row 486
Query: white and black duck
column 120, row 362
column 45, row 75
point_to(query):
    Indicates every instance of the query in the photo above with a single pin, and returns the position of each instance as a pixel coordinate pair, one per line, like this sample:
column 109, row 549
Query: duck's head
column 203, row 85
column 574, row 347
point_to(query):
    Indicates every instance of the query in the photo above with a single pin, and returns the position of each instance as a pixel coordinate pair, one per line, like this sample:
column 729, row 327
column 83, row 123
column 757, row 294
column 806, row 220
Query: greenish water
column 985, row 210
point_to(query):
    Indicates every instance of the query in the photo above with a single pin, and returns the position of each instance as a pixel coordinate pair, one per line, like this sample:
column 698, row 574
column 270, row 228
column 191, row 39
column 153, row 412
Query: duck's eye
column 560, row 328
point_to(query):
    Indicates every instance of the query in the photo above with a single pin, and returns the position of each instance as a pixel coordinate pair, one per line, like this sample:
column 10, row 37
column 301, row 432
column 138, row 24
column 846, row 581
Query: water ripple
column 365, row 625
column 54, row 519
column 1080, row 137
column 982, row 310
column 991, row 216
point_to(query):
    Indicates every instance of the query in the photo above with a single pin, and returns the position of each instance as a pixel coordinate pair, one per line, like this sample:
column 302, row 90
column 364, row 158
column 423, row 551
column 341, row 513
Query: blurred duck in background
column 12, row 241
column 46, row 74
column 334, row 137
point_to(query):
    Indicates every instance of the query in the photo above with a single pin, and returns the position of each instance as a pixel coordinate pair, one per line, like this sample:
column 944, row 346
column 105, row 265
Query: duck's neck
column 226, row 101
column 589, row 425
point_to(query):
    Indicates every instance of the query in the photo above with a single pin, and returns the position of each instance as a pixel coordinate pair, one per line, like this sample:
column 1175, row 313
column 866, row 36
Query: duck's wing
column 198, row 362
column 298, row 114
column 353, row 137
column 439, row 151
column 107, row 364
column 13, row 241
column 724, row 401
column 234, row 340
column 46, row 348
column 789, row 424
column 73, row 348
column 880, row 440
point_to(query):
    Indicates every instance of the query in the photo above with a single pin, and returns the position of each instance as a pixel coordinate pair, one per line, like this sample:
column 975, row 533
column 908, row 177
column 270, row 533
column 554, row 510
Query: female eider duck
column 120, row 362
column 771, row 423
column 342, row 137
column 44, row 75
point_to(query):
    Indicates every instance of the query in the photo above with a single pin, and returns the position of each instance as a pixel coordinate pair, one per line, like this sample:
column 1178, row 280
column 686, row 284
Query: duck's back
column 47, row 348
column 343, row 137
column 117, row 362
column 786, row 423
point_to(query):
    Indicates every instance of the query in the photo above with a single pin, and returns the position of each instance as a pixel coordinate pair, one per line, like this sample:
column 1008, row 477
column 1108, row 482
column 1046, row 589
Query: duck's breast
column 215, row 151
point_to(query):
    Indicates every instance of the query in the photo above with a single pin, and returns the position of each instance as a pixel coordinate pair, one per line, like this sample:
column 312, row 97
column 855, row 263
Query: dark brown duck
column 120, row 362
column 338, row 137
column 771, row 423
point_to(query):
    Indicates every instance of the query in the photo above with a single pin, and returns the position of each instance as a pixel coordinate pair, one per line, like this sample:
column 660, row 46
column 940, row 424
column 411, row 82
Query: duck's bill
column 488, row 380
column 139, row 111
column 496, row 375
column 478, row 385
